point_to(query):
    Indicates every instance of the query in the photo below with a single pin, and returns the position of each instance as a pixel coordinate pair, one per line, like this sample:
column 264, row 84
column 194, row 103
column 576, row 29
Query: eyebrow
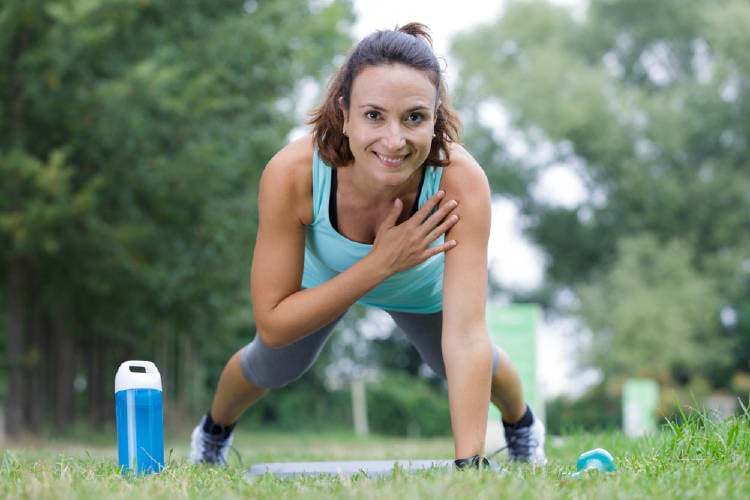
column 419, row 107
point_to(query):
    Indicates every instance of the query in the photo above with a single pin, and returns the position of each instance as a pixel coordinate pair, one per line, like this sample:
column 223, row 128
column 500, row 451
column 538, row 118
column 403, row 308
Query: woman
column 380, row 206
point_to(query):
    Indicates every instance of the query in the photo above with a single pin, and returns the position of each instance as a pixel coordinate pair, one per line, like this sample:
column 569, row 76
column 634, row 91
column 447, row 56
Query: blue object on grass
column 140, row 425
column 596, row 460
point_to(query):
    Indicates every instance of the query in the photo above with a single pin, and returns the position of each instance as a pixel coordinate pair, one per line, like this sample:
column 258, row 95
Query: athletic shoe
column 209, row 449
column 526, row 444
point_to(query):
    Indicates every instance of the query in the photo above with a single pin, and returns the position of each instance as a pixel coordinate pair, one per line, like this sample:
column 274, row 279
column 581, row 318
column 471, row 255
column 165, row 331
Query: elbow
column 270, row 335
column 462, row 340
column 264, row 338
column 272, row 341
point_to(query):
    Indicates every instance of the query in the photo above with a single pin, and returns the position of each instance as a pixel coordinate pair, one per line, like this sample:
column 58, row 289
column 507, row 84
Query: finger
column 442, row 228
column 421, row 214
column 442, row 248
column 441, row 214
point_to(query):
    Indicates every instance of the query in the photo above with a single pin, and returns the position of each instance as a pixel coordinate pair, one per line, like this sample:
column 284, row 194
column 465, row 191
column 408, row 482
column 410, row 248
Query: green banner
column 640, row 399
column 513, row 328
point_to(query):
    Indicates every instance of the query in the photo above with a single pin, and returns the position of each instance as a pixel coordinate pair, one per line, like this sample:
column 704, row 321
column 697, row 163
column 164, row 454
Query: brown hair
column 410, row 45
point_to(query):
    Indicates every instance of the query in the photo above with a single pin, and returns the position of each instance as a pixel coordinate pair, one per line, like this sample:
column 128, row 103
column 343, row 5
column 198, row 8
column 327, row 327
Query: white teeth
column 391, row 159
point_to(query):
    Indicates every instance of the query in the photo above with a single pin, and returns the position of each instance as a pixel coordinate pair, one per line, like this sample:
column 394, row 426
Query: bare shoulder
column 292, row 160
column 463, row 174
column 287, row 178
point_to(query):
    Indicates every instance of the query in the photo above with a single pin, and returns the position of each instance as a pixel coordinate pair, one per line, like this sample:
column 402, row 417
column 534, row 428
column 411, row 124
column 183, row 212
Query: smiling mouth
column 392, row 161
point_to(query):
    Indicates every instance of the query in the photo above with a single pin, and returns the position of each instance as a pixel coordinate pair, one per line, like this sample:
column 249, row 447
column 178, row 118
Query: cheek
column 362, row 136
column 425, row 138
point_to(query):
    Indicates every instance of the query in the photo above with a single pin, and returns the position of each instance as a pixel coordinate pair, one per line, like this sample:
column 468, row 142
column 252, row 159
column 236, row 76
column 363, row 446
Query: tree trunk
column 100, row 376
column 35, row 369
column 65, row 366
column 15, row 270
column 15, row 290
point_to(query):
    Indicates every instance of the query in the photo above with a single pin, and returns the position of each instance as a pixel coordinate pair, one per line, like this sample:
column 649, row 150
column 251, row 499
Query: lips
column 391, row 161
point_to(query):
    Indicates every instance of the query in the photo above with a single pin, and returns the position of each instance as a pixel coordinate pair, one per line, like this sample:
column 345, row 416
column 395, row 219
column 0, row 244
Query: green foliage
column 399, row 405
column 701, row 436
column 38, row 202
column 599, row 409
column 305, row 405
column 648, row 104
column 652, row 315
column 132, row 137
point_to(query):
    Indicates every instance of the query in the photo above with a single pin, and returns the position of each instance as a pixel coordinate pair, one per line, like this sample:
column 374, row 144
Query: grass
column 700, row 458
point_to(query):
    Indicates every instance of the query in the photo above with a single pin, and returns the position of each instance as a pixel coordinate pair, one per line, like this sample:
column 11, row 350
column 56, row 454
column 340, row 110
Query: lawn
column 701, row 458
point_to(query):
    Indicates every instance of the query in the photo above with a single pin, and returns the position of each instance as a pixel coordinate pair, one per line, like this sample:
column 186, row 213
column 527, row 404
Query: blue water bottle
column 140, row 423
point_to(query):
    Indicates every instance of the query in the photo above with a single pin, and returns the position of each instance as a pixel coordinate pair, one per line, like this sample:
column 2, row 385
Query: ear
column 342, row 108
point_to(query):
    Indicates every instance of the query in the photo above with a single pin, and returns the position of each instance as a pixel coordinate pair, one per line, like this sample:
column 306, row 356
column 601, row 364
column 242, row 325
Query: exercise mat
column 370, row 468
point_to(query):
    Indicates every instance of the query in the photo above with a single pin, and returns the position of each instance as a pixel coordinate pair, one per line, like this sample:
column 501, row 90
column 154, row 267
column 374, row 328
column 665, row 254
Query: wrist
column 475, row 462
column 375, row 269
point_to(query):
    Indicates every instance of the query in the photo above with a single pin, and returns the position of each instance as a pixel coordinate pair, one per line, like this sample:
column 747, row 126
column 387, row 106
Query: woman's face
column 390, row 121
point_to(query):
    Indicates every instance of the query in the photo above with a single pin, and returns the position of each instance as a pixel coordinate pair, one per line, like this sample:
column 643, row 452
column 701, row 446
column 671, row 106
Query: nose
column 393, row 136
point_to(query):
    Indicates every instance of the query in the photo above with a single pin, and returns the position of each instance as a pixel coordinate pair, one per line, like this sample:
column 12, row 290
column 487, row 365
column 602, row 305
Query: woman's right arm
column 284, row 312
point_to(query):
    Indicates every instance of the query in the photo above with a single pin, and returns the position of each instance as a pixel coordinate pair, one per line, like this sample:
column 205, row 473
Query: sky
column 445, row 19
column 513, row 260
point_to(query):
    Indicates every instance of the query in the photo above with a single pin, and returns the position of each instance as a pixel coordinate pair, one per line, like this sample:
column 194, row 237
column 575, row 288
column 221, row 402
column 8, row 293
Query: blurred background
column 615, row 134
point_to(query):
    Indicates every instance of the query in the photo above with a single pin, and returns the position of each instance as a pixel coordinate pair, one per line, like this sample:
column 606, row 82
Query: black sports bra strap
column 333, row 211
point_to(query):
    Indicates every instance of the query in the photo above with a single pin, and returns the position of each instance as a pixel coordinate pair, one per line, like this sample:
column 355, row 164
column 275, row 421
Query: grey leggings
column 270, row 368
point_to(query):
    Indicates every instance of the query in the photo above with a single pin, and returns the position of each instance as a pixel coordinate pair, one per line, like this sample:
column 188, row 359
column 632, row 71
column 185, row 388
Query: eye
column 415, row 117
column 372, row 115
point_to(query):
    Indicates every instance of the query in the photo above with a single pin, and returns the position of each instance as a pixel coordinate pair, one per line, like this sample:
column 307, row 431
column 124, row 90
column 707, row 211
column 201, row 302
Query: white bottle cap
column 137, row 375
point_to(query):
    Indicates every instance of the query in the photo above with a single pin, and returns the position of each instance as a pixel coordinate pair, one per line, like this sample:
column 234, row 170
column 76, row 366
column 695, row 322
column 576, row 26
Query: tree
column 132, row 136
column 647, row 102
column 653, row 315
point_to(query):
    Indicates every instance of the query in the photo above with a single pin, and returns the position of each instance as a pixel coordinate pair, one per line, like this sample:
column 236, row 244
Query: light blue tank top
column 327, row 253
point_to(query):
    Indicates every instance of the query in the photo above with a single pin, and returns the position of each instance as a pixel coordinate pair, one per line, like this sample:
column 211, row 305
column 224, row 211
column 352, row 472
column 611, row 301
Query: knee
column 266, row 379
column 262, row 370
